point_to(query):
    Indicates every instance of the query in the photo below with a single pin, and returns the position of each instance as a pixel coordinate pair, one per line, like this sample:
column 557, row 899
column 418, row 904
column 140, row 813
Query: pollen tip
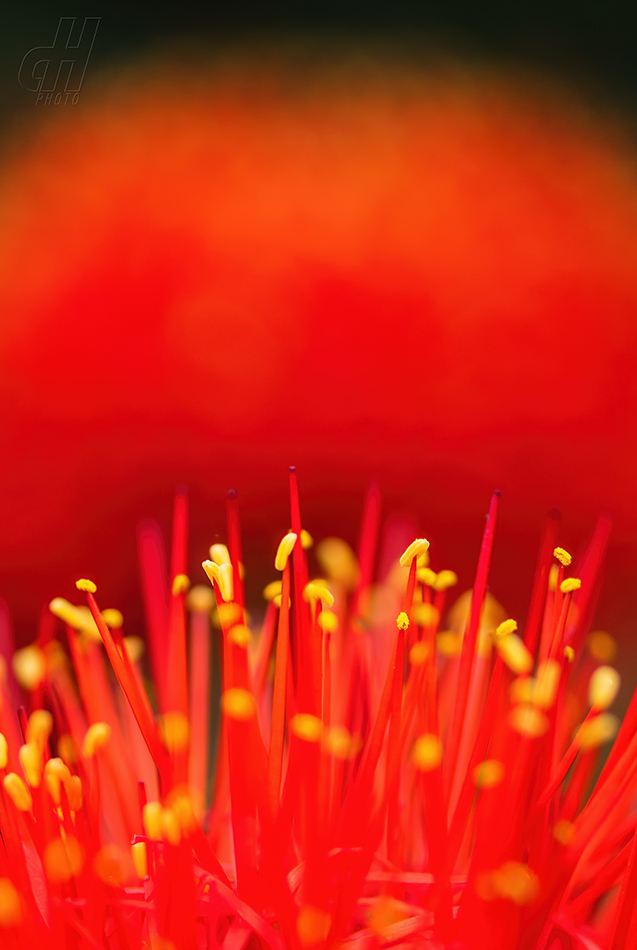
column 86, row 585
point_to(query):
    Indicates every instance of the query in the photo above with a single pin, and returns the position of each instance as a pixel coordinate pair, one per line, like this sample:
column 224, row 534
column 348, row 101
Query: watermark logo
column 56, row 73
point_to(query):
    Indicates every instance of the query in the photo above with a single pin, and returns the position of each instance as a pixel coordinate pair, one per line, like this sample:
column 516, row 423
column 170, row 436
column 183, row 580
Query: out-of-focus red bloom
column 203, row 279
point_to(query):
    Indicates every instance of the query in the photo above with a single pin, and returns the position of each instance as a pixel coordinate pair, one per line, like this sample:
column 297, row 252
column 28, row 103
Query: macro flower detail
column 347, row 773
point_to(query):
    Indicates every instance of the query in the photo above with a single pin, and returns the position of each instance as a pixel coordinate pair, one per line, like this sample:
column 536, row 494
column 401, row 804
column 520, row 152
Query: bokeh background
column 391, row 241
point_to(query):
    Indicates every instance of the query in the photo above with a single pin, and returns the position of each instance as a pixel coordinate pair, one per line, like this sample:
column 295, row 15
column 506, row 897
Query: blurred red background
column 364, row 271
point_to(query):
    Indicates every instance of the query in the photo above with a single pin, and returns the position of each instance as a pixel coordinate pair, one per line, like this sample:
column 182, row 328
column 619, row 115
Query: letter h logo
column 59, row 69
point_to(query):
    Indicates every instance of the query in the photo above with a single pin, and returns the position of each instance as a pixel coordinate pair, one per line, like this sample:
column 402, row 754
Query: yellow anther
column 402, row 620
column 140, row 859
column 564, row 831
column 426, row 754
column 170, row 827
column 602, row 646
column 529, row 721
column 238, row 704
column 67, row 748
column 505, row 628
column 516, row 882
column 175, row 731
column 226, row 582
column 95, row 739
column 219, row 554
column 74, row 792
column 272, row 589
column 328, row 621
column 603, row 687
column 66, row 612
column 56, row 773
column 338, row 561
column 284, row 550
column 426, row 576
column 62, row 860
column 445, row 580
column 546, row 684
column 338, row 742
column 112, row 865
column 419, row 653
column 306, row 539
column 307, row 727
column 570, row 584
column 449, row 643
column 182, row 807
column 563, row 557
column 597, row 731
column 569, row 653
column 522, row 689
column 113, row 618
column 29, row 666
column 87, row 586
column 488, row 774
column 151, row 820
column 4, row 752
column 17, row 791
column 425, row 615
column 134, row 647
column 39, row 727
column 514, row 653
column 313, row 926
column 230, row 614
column 554, row 573
column 316, row 590
column 239, row 635
column 415, row 549
column 181, row 583
column 31, row 761
column 10, row 904
column 212, row 571
column 200, row 599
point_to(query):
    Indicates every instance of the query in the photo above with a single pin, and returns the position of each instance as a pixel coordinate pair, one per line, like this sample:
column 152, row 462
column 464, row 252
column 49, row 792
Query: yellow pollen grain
column 229, row 614
column 271, row 590
column 522, row 689
column 182, row 807
column 238, row 704
column 488, row 774
column 445, row 580
column 226, row 582
column 39, row 727
column 515, row 654
column 112, row 865
column 181, row 583
column 170, row 827
column 140, row 859
column 95, row 739
column 10, row 904
column 449, row 643
column 219, row 553
column 516, row 882
column 328, row 621
column 425, row 615
column 316, row 590
column 29, row 666
column 603, row 687
column 529, row 721
column 546, row 684
column 554, row 573
column 505, row 629
column 306, row 539
column 4, row 752
column 85, row 585
column 62, row 860
column 312, row 926
column 151, row 820
column 598, row 731
column 74, row 792
column 284, row 550
column 307, row 727
column 56, row 773
column 569, row 653
column 239, row 635
column 338, row 742
column 564, row 831
column 570, row 584
column 134, row 647
column 30, row 757
column 563, row 557
column 113, row 618
column 426, row 754
column 414, row 550
column 66, row 612
column 601, row 646
column 212, row 571
column 426, row 576
column 175, row 731
column 338, row 561
column 402, row 620
column 419, row 653
column 17, row 791
column 200, row 599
